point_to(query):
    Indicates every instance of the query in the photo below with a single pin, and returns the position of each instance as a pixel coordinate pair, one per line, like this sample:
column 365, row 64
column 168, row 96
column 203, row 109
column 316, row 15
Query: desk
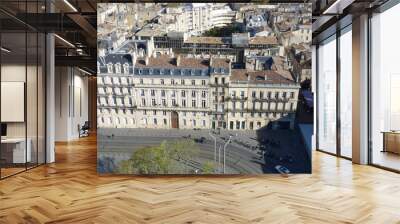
column 391, row 141
column 13, row 150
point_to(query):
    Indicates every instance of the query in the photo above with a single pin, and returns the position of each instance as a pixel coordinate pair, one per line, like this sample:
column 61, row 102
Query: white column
column 360, row 90
column 50, row 99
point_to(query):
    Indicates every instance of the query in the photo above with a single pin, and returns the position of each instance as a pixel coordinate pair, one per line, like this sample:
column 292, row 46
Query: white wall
column 71, row 102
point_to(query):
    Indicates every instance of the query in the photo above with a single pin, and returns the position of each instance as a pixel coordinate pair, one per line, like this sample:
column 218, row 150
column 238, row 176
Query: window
column 173, row 101
column 142, row 92
column 193, row 103
column 162, row 81
column 152, row 92
column 216, row 80
column 203, row 94
column 154, row 112
column 183, row 93
column 223, row 80
column 141, row 81
column 143, row 102
column 203, row 103
column 193, row 93
column 144, row 112
column 153, row 102
column 165, row 121
column 327, row 96
column 164, row 102
column 194, row 123
column 203, row 82
column 193, row 82
column 204, row 123
column 385, row 87
column 163, row 93
column 184, row 122
column 155, row 121
column 182, row 82
column 164, row 112
column 183, row 103
column 291, row 95
column 172, row 82
column 253, row 94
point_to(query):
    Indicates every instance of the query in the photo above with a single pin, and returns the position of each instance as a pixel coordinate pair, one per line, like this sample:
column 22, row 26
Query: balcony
column 236, row 98
column 276, row 100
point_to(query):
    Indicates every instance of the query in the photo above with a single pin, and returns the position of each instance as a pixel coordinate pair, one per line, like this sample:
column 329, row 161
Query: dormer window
column 110, row 68
column 126, row 68
column 118, row 68
column 161, row 71
column 140, row 71
column 150, row 71
column 172, row 72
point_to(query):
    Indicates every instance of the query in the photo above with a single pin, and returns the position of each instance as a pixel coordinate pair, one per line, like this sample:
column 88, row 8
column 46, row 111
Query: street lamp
column 226, row 144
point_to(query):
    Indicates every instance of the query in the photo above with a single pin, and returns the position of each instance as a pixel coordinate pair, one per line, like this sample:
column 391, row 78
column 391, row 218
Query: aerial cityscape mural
column 204, row 88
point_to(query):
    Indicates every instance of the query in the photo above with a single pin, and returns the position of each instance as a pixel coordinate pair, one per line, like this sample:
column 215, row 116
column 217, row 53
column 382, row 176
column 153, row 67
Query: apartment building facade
column 163, row 91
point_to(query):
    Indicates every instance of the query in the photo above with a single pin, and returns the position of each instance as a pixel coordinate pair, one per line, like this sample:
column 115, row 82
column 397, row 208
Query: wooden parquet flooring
column 70, row 191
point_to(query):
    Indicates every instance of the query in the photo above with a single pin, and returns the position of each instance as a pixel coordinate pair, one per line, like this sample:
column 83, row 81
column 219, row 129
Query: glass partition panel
column 14, row 145
column 327, row 96
column 385, row 89
column 346, row 93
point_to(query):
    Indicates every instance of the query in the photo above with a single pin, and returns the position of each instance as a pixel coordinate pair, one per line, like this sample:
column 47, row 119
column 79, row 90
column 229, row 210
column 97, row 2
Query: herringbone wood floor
column 70, row 191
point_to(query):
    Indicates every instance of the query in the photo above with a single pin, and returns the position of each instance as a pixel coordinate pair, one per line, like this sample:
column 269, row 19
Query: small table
column 391, row 141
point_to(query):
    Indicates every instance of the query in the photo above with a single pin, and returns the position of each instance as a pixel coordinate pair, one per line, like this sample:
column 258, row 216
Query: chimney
column 178, row 60
column 146, row 61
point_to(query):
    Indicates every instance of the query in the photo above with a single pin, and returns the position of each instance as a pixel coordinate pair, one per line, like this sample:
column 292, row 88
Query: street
column 248, row 152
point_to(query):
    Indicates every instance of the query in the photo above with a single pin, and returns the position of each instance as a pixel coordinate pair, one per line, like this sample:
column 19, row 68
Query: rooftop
column 207, row 40
column 220, row 63
column 258, row 77
column 263, row 40
column 164, row 61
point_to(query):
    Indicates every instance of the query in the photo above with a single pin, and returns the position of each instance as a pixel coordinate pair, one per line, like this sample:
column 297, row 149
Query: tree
column 208, row 167
column 167, row 158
